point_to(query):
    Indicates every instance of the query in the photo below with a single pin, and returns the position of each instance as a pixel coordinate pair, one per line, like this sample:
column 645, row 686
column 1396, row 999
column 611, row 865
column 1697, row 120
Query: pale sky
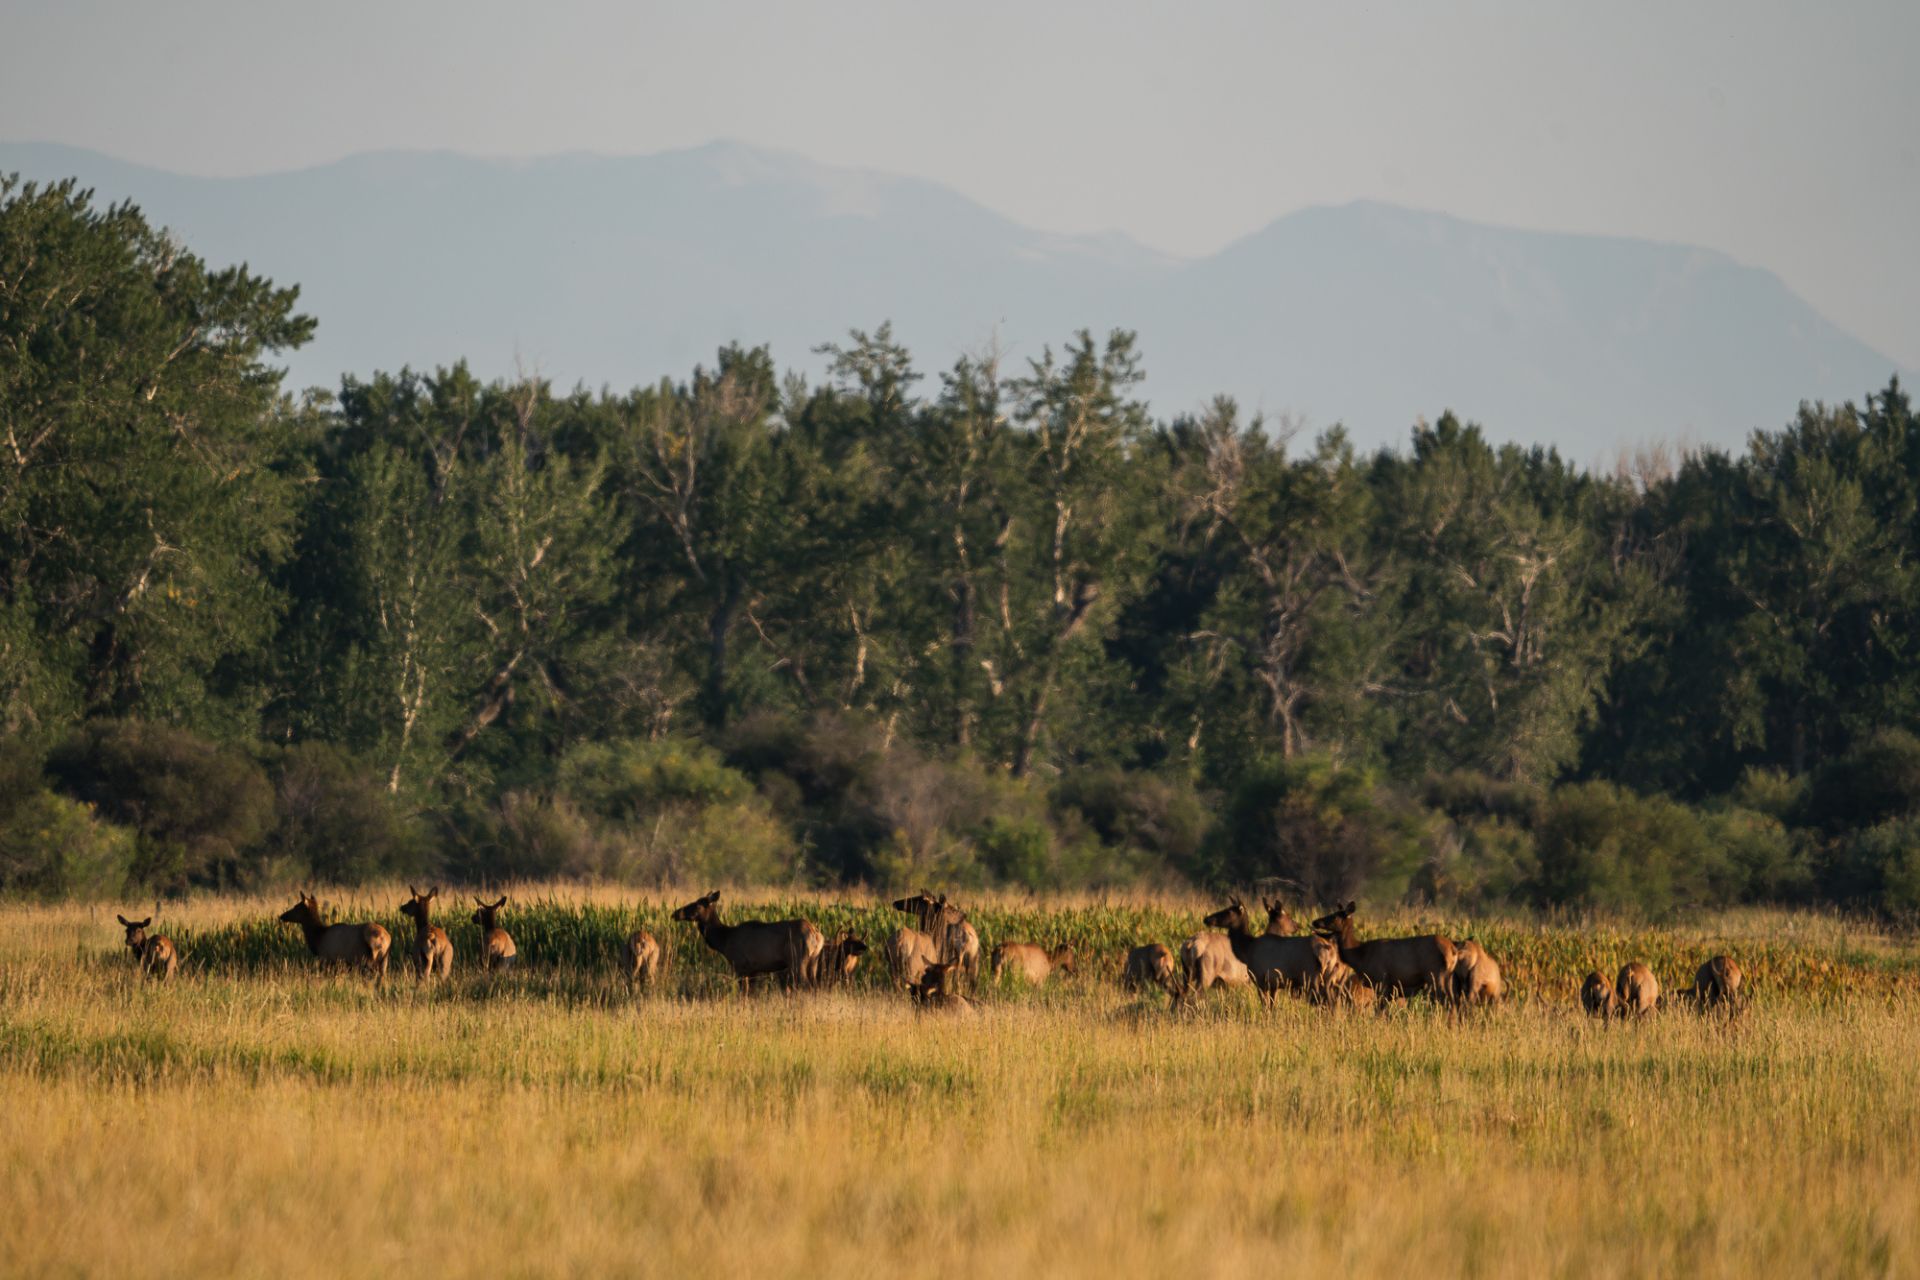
column 1782, row 133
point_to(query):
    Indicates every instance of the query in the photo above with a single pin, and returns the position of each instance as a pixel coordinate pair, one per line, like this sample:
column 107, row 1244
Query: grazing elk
column 1596, row 996
column 342, row 944
column 432, row 953
column 496, row 944
column 1149, row 966
column 1031, row 962
column 1207, row 961
column 1392, row 965
column 1296, row 964
column 644, row 958
column 955, row 941
column 154, row 955
column 1716, row 985
column 839, row 958
column 758, row 948
column 1636, row 991
column 1476, row 975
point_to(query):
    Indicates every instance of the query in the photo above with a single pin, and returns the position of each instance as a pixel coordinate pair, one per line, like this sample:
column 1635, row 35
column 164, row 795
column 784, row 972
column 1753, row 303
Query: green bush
column 1768, row 862
column 1488, row 862
column 1327, row 830
column 1603, row 846
column 1138, row 819
column 337, row 823
column 1878, row 867
column 54, row 847
column 200, row 809
column 1877, row 780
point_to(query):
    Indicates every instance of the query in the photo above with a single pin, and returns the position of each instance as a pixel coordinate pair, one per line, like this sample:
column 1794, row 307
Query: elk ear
column 1349, row 908
column 123, row 920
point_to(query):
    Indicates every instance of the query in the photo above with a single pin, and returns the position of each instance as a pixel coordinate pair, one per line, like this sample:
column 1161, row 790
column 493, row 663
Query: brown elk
column 342, row 944
column 1636, row 991
column 909, row 952
column 644, row 959
column 1716, row 985
column 955, row 941
column 1596, row 996
column 1295, row 964
column 1392, row 965
column 153, row 954
column 840, row 957
column 1149, row 966
column 1342, row 987
column 1476, row 975
column 789, row 949
column 496, row 944
column 1279, row 923
column 432, row 953
column 1031, row 962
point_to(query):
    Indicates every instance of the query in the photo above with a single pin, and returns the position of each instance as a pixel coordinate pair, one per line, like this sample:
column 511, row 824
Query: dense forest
column 994, row 624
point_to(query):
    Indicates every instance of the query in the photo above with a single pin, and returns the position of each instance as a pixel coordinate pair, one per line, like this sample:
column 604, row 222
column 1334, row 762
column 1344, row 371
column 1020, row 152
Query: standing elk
column 955, row 941
column 1031, row 961
column 497, row 951
column 909, row 952
column 1596, row 996
column 1636, row 991
column 1716, row 985
column 1476, row 975
column 1297, row 964
column 364, row 944
column 1207, row 961
column 153, row 955
column 432, row 953
column 1392, row 965
column 1279, row 923
column 1149, row 966
column 644, row 958
column 757, row 948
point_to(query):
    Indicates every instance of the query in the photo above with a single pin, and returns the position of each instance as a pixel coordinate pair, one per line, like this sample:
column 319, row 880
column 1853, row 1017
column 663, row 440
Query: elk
column 1149, row 966
column 1715, row 985
column 1274, row 962
column 1207, row 961
column 1279, row 923
column 496, row 944
column 155, row 955
column 1476, row 975
column 432, row 952
column 757, row 948
column 1402, row 965
column 955, row 941
column 909, row 952
column 1636, row 991
column 342, row 944
column 1031, row 961
column 1342, row 986
column 1596, row 996
column 644, row 960
column 839, row 958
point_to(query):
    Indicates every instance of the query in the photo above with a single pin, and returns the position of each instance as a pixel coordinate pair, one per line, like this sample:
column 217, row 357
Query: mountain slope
column 623, row 270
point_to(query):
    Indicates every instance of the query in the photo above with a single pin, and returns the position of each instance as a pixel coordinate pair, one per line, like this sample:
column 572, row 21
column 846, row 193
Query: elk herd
column 936, row 957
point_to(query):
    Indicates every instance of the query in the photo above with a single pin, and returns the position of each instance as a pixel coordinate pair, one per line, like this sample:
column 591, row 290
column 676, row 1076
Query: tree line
column 997, row 623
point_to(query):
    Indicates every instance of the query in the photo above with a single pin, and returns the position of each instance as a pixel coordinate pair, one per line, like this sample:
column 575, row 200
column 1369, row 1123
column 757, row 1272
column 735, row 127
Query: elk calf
column 365, row 945
column 496, row 944
column 839, row 958
column 153, row 955
column 934, row 992
column 1207, row 961
column 1031, row 961
column 1596, row 996
column 643, row 957
column 432, row 953
column 1716, row 985
column 1636, row 991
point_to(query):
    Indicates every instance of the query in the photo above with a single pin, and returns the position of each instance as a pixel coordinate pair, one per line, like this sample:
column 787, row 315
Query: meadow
column 255, row 1116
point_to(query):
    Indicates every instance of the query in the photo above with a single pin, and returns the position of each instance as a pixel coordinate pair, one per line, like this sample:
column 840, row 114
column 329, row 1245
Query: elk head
column 304, row 912
column 1231, row 916
column 699, row 910
column 488, row 916
column 136, row 932
column 420, row 904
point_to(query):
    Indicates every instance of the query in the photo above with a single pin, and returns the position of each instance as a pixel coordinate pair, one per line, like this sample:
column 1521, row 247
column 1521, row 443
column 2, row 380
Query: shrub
column 1768, row 863
column 53, row 847
column 337, row 822
column 1879, row 866
column 1327, row 829
column 200, row 809
column 1877, row 780
column 1485, row 862
column 1602, row 846
column 1139, row 819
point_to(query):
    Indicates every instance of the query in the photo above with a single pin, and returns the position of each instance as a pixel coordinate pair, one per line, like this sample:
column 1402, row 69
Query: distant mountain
column 622, row 270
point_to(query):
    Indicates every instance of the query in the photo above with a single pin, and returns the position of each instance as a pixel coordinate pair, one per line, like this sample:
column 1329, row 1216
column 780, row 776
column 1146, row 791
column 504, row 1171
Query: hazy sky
column 1787, row 134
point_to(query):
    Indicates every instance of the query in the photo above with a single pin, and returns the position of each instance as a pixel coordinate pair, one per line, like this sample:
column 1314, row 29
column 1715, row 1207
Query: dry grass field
column 256, row 1117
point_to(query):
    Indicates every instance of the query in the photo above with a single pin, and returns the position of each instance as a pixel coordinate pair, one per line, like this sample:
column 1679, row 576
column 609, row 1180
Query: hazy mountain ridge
column 620, row 270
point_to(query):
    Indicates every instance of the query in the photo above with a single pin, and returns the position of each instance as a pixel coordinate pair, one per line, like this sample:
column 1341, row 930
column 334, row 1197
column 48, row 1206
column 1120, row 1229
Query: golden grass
column 280, row 1122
